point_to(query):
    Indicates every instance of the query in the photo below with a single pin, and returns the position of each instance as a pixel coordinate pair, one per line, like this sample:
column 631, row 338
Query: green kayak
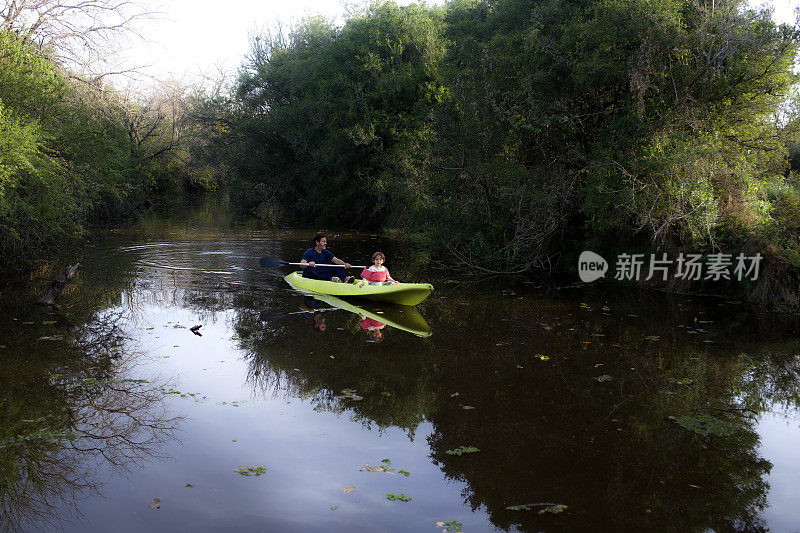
column 400, row 293
column 402, row 317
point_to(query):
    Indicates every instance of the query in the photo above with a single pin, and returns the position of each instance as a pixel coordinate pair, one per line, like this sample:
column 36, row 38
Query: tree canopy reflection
column 68, row 413
column 634, row 414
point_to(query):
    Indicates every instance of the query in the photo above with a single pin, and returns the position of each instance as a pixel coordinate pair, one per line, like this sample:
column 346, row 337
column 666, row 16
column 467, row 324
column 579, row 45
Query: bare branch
column 81, row 34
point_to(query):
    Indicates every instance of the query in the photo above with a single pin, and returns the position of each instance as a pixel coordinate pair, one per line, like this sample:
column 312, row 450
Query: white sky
column 194, row 37
column 784, row 9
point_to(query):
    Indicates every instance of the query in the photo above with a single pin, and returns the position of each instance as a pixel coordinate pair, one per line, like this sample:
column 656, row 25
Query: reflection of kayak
column 397, row 316
column 400, row 293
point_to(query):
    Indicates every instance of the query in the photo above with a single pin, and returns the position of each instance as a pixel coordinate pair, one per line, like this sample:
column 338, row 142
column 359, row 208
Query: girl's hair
column 377, row 255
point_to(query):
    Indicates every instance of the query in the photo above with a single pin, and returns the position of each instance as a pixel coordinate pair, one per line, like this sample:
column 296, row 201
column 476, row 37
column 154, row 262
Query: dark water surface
column 635, row 410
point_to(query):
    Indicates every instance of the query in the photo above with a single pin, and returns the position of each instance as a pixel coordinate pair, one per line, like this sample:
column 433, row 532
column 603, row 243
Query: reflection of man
column 320, row 254
column 313, row 306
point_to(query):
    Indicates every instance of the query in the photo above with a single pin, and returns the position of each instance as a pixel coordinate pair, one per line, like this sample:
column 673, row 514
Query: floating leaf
column 251, row 470
column 404, row 472
column 234, row 403
column 454, row 395
column 461, row 450
column 398, row 497
column 155, row 504
column 348, row 490
column 349, row 394
column 706, row 425
column 383, row 468
column 189, row 485
column 334, row 507
column 542, row 357
column 466, row 406
column 603, row 378
column 553, row 508
column 452, row 525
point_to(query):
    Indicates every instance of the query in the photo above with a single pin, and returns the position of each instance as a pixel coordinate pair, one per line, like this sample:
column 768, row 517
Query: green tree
column 75, row 152
column 333, row 118
column 648, row 122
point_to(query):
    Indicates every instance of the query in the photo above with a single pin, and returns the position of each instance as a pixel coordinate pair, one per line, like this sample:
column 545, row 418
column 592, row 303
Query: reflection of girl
column 373, row 327
column 377, row 274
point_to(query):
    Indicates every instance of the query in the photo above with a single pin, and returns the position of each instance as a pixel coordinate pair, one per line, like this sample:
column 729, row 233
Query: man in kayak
column 320, row 254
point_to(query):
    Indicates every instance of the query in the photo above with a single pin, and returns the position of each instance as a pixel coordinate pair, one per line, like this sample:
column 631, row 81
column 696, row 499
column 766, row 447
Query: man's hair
column 318, row 237
column 377, row 255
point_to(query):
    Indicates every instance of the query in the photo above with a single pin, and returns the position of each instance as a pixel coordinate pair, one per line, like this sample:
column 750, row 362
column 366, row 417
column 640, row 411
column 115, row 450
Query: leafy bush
column 73, row 153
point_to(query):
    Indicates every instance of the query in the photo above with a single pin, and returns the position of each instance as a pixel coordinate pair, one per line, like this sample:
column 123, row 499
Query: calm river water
column 499, row 406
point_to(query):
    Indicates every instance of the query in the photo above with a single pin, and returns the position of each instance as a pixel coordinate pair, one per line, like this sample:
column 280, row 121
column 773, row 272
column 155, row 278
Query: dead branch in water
column 57, row 285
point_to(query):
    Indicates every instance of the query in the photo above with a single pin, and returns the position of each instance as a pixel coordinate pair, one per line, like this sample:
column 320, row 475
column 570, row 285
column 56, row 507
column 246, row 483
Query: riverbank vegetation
column 511, row 134
column 75, row 152
column 516, row 134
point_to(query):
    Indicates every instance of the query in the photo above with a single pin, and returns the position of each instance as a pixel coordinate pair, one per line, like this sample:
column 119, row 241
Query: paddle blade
column 269, row 317
column 271, row 262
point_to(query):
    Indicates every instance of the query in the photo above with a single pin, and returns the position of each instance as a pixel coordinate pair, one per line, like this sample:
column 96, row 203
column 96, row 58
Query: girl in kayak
column 377, row 274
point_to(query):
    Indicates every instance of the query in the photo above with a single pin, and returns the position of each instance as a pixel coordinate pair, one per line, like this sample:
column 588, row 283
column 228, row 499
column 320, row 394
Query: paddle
column 269, row 317
column 274, row 262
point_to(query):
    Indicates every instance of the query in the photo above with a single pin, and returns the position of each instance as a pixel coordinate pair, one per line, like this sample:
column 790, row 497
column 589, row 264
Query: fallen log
column 57, row 285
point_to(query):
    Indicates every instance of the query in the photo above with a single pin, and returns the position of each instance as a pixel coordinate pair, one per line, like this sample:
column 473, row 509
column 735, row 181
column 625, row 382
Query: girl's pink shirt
column 371, row 274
